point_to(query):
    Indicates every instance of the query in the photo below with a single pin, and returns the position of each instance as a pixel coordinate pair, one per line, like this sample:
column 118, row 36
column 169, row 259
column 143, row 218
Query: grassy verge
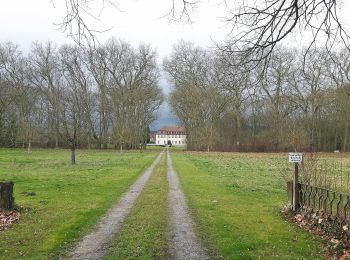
column 235, row 200
column 69, row 199
column 144, row 233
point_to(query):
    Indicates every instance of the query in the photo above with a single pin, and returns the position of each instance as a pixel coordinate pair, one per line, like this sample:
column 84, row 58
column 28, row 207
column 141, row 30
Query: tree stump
column 7, row 200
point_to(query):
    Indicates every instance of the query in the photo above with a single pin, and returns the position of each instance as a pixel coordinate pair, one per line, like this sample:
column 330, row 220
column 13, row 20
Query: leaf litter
column 8, row 218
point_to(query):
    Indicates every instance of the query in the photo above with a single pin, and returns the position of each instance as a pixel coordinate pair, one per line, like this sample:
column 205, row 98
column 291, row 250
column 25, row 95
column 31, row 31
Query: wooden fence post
column 296, row 188
column 7, row 200
column 290, row 192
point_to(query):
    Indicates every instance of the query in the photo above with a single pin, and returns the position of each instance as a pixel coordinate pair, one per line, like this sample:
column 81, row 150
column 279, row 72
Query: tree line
column 69, row 96
column 298, row 100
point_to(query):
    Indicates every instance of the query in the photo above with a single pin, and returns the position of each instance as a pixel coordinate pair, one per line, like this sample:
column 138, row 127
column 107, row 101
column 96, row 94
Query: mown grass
column 144, row 233
column 69, row 199
column 236, row 199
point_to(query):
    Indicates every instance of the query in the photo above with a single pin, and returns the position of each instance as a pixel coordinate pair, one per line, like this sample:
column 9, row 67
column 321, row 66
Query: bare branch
column 75, row 24
column 258, row 26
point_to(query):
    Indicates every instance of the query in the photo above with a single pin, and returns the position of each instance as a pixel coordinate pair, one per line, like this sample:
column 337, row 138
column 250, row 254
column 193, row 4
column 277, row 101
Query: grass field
column 236, row 200
column 69, row 199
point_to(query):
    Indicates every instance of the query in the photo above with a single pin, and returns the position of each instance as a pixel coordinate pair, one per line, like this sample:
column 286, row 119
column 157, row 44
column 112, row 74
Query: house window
column 175, row 142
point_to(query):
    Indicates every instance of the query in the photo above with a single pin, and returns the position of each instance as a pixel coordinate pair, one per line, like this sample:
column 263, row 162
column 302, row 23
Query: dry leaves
column 346, row 255
column 7, row 218
column 315, row 223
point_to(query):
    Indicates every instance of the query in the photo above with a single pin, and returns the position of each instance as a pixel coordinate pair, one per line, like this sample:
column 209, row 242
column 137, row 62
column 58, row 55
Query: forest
column 108, row 96
column 69, row 96
column 296, row 100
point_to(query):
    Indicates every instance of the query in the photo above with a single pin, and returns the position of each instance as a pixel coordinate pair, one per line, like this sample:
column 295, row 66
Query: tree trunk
column 29, row 145
column 7, row 200
column 346, row 132
column 238, row 132
column 56, row 141
column 121, row 148
column 73, row 154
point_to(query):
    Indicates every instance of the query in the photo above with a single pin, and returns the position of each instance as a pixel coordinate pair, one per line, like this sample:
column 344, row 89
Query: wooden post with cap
column 295, row 158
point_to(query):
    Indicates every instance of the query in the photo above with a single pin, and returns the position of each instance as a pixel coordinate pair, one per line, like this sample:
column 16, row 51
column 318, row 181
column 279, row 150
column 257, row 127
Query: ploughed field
column 234, row 199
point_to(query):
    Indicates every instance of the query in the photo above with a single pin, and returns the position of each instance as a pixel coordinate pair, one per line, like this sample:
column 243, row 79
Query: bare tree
column 258, row 26
column 339, row 72
column 72, row 99
column 236, row 84
column 276, row 92
column 78, row 13
column 196, row 98
column 96, row 62
column 309, row 86
column 44, row 75
column 13, row 71
column 133, row 88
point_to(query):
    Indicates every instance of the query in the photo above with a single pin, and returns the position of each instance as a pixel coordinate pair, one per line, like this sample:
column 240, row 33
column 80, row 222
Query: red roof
column 172, row 129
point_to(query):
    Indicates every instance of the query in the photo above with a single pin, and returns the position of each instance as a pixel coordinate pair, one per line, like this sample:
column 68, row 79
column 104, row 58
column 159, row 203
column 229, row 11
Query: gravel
column 96, row 244
column 183, row 243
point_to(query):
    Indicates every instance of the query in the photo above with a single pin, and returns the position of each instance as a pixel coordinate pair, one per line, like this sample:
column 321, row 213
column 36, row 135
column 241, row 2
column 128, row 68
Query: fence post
column 6, row 195
column 290, row 192
column 296, row 187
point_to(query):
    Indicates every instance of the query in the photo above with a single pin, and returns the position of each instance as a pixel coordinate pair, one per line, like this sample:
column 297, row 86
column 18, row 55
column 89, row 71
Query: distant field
column 236, row 200
column 69, row 199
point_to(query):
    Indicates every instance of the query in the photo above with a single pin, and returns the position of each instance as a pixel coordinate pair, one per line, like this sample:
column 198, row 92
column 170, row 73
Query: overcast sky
column 137, row 21
column 23, row 21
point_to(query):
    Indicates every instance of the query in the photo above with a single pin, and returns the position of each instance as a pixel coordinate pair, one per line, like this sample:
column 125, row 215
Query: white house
column 174, row 135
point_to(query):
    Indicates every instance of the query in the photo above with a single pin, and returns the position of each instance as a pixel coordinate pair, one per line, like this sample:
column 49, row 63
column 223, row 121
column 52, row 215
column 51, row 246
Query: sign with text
column 295, row 157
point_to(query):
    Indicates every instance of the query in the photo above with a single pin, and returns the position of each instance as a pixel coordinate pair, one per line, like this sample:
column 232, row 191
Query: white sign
column 295, row 157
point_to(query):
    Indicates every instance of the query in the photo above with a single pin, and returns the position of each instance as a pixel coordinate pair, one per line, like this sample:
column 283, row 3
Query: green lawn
column 236, row 199
column 69, row 199
column 144, row 234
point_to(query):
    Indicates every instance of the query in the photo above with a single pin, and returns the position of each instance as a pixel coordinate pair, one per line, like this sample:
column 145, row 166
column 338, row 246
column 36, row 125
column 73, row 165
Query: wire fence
column 327, row 173
column 323, row 192
column 328, row 202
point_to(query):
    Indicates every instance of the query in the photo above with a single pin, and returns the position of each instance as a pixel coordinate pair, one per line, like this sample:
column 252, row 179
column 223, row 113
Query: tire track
column 183, row 243
column 96, row 244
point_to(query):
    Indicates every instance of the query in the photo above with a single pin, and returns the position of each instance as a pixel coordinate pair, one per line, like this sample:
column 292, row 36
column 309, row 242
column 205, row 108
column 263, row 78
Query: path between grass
column 183, row 243
column 145, row 230
column 96, row 244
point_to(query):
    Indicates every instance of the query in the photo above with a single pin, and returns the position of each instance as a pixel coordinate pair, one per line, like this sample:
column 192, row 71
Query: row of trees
column 297, row 100
column 73, row 96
